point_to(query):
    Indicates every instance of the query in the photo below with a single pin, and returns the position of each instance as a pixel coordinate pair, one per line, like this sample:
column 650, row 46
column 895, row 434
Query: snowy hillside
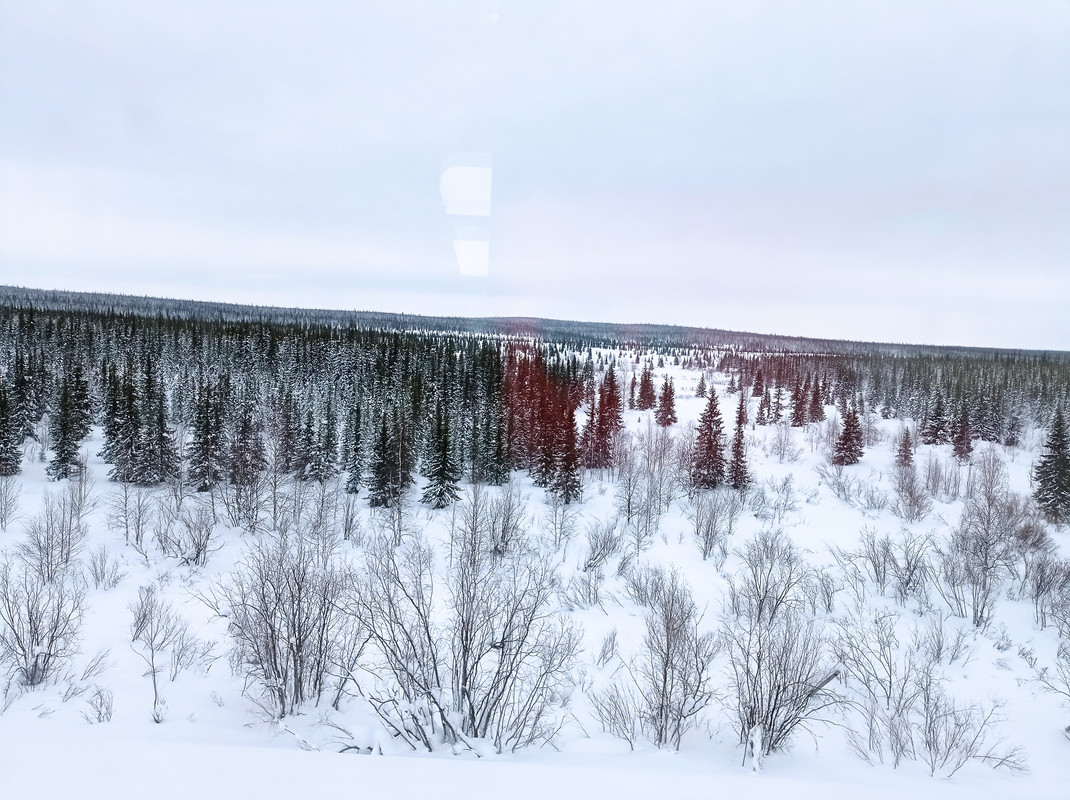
column 874, row 629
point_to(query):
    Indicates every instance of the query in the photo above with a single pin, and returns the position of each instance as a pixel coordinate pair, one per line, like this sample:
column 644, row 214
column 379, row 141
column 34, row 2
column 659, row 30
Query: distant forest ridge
column 569, row 332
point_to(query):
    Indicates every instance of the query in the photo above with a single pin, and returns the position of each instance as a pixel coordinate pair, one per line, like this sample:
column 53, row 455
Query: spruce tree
column 849, row 448
column 647, row 397
column 609, row 422
column 443, row 474
column 962, row 435
column 800, row 406
column 247, row 458
column 566, row 483
column 10, row 430
column 665, row 415
column 353, row 449
column 816, row 412
column 738, row 476
column 390, row 471
column 208, row 447
column 904, row 450
column 155, row 455
column 707, row 462
column 69, row 425
column 759, row 384
column 934, row 429
column 701, row 388
column 1051, row 475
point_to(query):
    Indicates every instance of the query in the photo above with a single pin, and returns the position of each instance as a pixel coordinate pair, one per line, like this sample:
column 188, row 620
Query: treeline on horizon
column 186, row 389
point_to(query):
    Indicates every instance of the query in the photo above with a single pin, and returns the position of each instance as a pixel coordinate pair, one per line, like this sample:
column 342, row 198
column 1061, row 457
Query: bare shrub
column 559, row 521
column 951, row 734
column 101, row 704
column 130, row 509
column 774, row 500
column 508, row 519
column 188, row 533
column 105, row 572
column 780, row 673
column 943, row 478
column 912, row 502
column 841, row 482
column 866, row 644
column 39, row 621
column 669, row 681
column 495, row 664
column 154, row 629
column 713, row 516
column 983, row 550
column 777, row 655
column 10, row 490
column 54, row 537
column 603, row 542
column 783, row 445
column 283, row 611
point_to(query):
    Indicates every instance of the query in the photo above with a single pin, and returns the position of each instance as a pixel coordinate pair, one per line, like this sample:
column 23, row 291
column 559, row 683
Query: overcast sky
column 893, row 171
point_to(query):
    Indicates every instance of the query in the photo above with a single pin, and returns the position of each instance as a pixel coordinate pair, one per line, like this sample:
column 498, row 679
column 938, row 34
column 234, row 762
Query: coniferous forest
column 405, row 534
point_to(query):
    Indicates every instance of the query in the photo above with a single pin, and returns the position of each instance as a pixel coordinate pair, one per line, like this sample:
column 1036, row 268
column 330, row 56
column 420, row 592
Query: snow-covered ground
column 213, row 742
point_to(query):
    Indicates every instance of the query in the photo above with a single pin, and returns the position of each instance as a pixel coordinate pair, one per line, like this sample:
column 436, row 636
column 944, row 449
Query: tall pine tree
column 707, row 461
column 738, row 476
column 1051, row 475
column 443, row 474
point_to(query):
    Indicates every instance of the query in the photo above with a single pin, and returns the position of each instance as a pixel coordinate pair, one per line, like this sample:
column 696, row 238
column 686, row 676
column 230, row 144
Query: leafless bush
column 187, row 534
column 772, row 578
column 841, row 482
column 584, row 590
column 130, row 509
column 912, row 501
column 943, row 478
column 508, row 519
column 783, row 444
column 154, row 629
column 618, row 710
column 495, row 665
column 950, row 734
column 668, row 682
column 910, row 566
column 559, row 521
column 780, row 675
column 870, row 564
column 777, row 655
column 1057, row 679
column 646, row 585
column 982, row 551
column 673, row 665
column 872, row 498
column 39, row 621
column 866, row 644
column 10, row 489
column 714, row 515
column 351, row 528
column 1047, row 584
column 101, row 704
column 105, row 571
column 188, row 650
column 603, row 542
column 774, row 500
column 55, row 537
column 937, row 645
column 283, row 609
column 608, row 649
